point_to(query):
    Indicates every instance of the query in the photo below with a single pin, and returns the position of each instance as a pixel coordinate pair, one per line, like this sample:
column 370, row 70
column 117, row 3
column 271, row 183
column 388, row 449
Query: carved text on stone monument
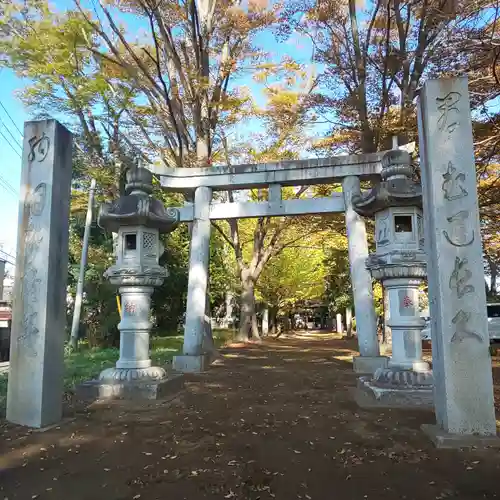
column 460, row 276
column 36, row 201
column 461, row 333
column 39, row 148
column 459, row 236
column 452, row 184
column 448, row 107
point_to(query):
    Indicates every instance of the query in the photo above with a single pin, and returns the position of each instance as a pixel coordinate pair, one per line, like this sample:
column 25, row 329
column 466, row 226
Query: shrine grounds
column 274, row 420
column 87, row 363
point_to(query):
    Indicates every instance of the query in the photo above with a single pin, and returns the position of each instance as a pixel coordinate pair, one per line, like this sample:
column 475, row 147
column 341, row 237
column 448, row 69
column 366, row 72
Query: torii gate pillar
column 369, row 359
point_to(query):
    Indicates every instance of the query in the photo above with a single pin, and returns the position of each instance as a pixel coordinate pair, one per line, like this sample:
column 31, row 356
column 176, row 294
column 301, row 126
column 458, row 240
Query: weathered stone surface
column 199, row 255
column 369, row 395
column 366, row 323
column 191, row 364
column 443, row 439
column 39, row 309
column 396, row 188
column 461, row 359
column 398, row 378
column 116, row 374
column 130, row 389
column 137, row 207
column 287, row 173
column 369, row 364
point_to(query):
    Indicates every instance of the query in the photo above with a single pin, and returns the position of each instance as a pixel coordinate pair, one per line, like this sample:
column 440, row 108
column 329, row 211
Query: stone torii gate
column 347, row 170
column 463, row 389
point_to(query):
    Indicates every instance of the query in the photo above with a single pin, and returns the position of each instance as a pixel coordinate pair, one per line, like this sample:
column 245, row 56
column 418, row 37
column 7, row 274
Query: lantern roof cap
column 137, row 207
column 396, row 189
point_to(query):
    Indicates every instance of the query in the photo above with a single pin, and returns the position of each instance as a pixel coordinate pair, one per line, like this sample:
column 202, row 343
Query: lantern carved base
column 400, row 379
column 145, row 388
column 396, row 388
column 151, row 374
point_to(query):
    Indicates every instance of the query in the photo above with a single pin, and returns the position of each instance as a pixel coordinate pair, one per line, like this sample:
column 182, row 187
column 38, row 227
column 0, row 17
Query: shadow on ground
column 274, row 420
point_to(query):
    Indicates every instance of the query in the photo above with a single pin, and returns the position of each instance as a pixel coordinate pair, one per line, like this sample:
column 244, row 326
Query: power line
column 8, row 142
column 10, row 192
column 7, row 257
column 8, row 114
column 8, row 186
column 7, row 254
column 16, row 141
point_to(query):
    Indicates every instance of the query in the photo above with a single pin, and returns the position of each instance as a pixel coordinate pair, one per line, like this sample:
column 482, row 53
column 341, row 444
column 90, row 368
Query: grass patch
column 87, row 363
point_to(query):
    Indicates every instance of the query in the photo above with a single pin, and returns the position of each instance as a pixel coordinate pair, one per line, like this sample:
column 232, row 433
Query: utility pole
column 83, row 264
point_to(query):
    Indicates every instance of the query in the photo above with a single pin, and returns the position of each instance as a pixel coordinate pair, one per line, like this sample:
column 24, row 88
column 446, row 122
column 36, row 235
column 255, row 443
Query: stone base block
column 134, row 390
column 368, row 395
column 191, row 364
column 443, row 439
column 369, row 364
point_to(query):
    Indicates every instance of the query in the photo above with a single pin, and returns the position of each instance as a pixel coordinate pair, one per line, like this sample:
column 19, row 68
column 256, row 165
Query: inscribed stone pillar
column 366, row 323
column 39, row 309
column 194, row 358
column 348, row 321
column 340, row 328
column 457, row 299
column 228, row 318
column 265, row 321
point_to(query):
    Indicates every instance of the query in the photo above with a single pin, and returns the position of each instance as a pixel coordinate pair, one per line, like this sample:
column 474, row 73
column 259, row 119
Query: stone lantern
column 399, row 262
column 139, row 220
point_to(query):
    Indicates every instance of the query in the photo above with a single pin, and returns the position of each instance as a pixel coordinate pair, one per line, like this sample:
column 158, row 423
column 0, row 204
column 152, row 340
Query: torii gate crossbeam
column 348, row 170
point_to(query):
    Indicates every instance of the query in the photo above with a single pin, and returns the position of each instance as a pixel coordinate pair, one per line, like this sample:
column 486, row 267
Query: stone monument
column 463, row 396
column 39, row 309
column 139, row 219
column 400, row 264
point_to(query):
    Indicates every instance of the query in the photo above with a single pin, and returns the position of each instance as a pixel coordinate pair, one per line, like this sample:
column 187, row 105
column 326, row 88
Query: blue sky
column 10, row 170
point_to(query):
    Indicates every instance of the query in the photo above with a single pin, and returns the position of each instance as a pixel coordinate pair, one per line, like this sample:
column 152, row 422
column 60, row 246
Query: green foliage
column 338, row 282
column 169, row 300
column 88, row 362
column 294, row 275
column 100, row 315
column 222, row 270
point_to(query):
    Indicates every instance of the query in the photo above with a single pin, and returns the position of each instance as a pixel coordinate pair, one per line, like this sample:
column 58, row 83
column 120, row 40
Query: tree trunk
column 273, row 320
column 494, row 277
column 247, row 309
column 208, row 339
column 255, row 325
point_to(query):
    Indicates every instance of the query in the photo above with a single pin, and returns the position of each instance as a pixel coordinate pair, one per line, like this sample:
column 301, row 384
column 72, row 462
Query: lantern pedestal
column 408, row 380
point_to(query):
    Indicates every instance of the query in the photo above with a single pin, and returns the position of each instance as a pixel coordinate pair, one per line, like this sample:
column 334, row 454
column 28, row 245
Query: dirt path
column 271, row 421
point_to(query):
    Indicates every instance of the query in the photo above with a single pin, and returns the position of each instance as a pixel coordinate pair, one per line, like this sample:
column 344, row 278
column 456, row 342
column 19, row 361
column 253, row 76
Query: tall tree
column 375, row 54
column 256, row 242
column 297, row 274
column 182, row 65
